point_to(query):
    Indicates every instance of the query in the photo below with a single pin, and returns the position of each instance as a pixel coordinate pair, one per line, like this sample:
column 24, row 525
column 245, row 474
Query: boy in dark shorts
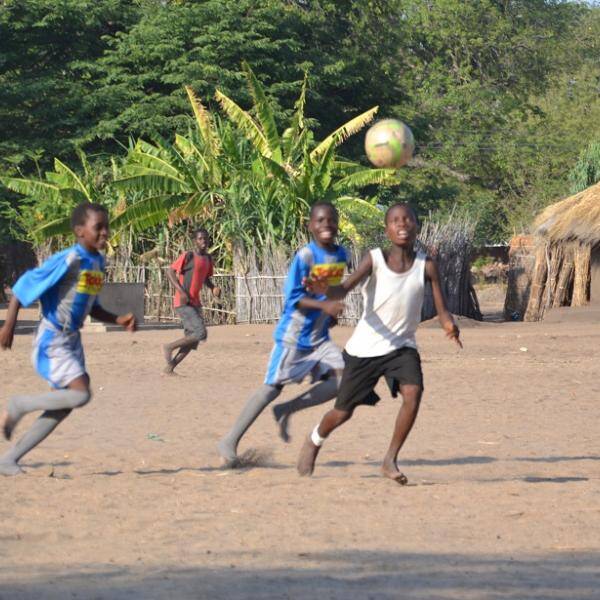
column 383, row 343
column 188, row 274
column 67, row 286
column 302, row 344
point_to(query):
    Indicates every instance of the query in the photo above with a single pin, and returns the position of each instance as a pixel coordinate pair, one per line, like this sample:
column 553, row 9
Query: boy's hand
column 184, row 298
column 316, row 285
column 216, row 292
column 453, row 332
column 6, row 337
column 127, row 321
column 333, row 308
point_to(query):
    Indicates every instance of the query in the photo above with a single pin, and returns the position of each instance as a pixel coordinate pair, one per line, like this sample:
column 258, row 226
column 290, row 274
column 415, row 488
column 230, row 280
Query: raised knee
column 81, row 398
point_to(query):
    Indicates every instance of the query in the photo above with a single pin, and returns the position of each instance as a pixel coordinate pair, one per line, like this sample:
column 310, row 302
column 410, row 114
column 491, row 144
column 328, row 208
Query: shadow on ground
column 344, row 574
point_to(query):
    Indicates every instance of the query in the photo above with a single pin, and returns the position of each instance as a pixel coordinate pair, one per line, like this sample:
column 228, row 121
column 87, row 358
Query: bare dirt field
column 127, row 500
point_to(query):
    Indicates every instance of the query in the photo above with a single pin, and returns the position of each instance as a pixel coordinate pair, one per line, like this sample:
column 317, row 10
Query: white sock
column 316, row 439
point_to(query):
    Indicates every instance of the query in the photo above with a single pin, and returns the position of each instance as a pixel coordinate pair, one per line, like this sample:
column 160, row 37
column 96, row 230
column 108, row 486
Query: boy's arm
column 7, row 332
column 126, row 321
column 215, row 289
column 446, row 320
column 333, row 308
column 172, row 277
column 338, row 292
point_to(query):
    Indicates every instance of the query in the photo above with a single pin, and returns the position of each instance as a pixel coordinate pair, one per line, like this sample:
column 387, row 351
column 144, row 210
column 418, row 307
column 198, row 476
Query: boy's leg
column 227, row 447
column 185, row 346
column 56, row 405
column 195, row 332
column 308, row 454
column 411, row 399
column 318, row 394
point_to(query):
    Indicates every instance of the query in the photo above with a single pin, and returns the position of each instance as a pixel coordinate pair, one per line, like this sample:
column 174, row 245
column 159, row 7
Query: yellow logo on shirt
column 332, row 271
column 90, row 282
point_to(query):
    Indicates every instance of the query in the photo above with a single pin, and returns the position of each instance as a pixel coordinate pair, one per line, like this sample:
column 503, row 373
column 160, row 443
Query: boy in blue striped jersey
column 67, row 286
column 302, row 344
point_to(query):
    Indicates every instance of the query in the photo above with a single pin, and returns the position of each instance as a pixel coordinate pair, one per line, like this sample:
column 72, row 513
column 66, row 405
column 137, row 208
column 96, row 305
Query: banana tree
column 291, row 167
column 44, row 213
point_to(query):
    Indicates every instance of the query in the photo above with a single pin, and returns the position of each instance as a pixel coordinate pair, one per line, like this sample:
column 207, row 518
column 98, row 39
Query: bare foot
column 390, row 470
column 8, row 424
column 307, row 458
column 169, row 369
column 282, row 424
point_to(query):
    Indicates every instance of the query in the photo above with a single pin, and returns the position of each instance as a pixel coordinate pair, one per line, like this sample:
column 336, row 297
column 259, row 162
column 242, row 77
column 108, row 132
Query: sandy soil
column 127, row 500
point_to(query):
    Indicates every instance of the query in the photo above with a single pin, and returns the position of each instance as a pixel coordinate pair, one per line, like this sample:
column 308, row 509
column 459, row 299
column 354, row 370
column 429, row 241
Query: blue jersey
column 67, row 285
column 307, row 328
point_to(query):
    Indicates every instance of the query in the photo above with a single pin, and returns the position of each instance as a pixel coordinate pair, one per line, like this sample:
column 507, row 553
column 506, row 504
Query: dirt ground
column 126, row 499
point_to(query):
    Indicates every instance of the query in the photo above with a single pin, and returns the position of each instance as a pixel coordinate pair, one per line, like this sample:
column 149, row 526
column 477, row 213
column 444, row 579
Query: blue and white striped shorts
column 58, row 355
column 288, row 364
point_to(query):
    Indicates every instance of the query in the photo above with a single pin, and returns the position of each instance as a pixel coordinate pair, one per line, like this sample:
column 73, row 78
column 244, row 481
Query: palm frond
column 33, row 188
column 345, row 131
column 245, row 123
column 76, row 182
column 367, row 177
column 204, row 122
column 146, row 213
column 264, row 112
column 61, row 226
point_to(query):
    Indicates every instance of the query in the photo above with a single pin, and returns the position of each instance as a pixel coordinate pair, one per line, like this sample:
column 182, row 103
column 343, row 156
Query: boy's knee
column 80, row 398
column 411, row 395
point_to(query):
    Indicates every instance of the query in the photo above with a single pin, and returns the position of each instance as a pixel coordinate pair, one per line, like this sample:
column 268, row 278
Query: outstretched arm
column 126, row 321
column 446, row 320
column 7, row 332
column 338, row 292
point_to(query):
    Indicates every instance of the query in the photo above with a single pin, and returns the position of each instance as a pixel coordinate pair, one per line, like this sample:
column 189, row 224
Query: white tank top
column 392, row 308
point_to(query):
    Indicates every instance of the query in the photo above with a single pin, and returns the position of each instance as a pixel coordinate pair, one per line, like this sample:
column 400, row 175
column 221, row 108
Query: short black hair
column 323, row 204
column 405, row 205
column 80, row 212
column 201, row 230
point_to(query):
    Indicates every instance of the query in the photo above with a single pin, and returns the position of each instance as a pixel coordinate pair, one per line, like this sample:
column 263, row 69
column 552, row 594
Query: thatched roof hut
column 567, row 256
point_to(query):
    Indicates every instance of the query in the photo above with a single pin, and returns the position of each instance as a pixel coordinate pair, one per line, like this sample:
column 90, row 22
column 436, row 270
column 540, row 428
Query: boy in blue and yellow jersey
column 302, row 345
column 67, row 286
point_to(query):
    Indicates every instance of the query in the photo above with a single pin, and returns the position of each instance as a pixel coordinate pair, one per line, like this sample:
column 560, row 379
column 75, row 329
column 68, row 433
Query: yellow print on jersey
column 332, row 271
column 90, row 282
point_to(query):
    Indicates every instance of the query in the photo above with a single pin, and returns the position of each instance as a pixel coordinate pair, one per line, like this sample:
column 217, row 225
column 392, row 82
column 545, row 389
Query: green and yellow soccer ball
column 389, row 144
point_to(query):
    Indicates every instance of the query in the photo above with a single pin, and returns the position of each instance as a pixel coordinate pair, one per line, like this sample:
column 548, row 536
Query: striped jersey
column 307, row 328
column 67, row 285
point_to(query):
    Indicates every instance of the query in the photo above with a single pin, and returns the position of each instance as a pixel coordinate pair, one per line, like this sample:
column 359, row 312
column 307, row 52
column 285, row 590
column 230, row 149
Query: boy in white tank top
column 383, row 343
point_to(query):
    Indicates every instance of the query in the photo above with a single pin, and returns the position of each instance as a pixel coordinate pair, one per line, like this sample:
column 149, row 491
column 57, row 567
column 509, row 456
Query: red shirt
column 192, row 271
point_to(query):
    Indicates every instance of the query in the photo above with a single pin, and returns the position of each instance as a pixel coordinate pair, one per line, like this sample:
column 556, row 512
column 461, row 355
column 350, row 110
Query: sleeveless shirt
column 392, row 308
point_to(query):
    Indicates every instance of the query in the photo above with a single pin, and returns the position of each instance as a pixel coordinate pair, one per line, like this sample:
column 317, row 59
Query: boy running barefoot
column 188, row 274
column 67, row 286
column 383, row 343
column 302, row 345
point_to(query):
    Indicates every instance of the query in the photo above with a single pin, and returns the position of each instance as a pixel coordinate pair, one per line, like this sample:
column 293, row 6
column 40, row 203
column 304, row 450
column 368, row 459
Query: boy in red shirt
column 188, row 274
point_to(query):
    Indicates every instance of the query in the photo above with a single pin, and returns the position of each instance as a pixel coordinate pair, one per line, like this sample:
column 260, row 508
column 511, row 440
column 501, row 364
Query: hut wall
column 595, row 276
column 581, row 284
column 521, row 263
column 535, row 306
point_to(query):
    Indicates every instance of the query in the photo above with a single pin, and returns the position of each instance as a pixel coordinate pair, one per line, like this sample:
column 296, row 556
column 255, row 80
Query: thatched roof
column 575, row 218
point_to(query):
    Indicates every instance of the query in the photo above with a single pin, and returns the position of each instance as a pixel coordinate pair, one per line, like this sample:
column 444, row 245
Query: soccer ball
column 389, row 144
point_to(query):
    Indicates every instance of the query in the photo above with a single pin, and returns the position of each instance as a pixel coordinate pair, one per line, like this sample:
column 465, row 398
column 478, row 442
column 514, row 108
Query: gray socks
column 56, row 406
column 38, row 432
column 227, row 447
column 318, row 394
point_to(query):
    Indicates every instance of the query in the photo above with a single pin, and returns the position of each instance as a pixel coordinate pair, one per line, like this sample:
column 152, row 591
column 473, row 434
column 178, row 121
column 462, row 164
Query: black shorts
column 193, row 322
column 400, row 367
